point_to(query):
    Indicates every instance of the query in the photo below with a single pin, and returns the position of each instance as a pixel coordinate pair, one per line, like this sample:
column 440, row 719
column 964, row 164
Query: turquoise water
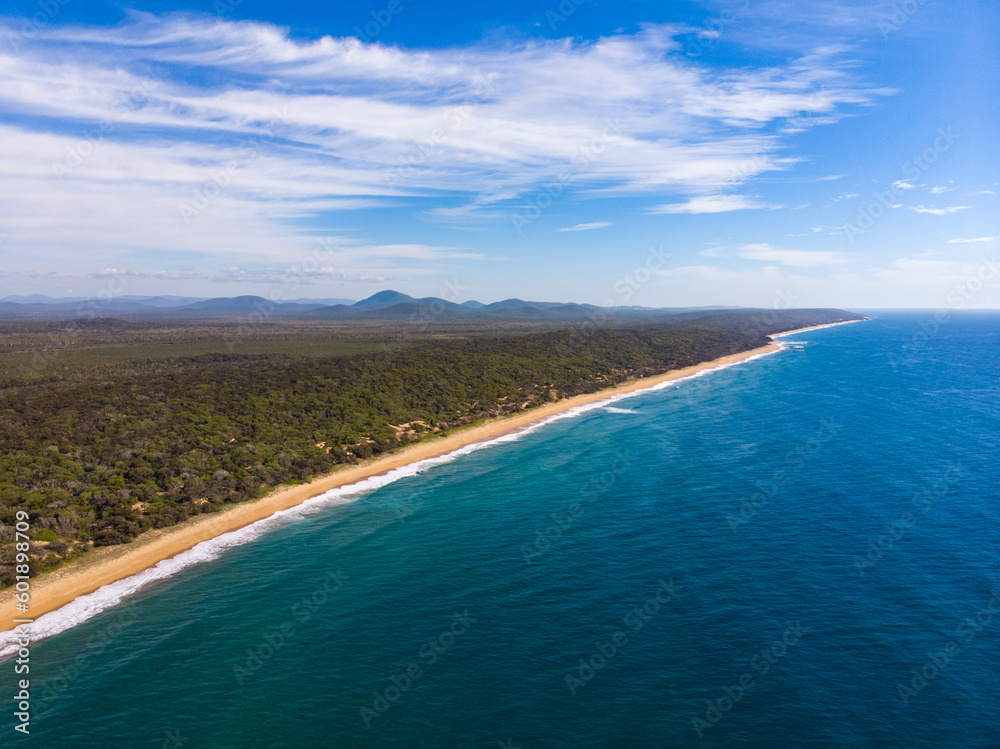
column 757, row 558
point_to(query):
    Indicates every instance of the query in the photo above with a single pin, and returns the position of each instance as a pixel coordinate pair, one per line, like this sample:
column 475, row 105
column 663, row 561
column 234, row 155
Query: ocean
column 797, row 551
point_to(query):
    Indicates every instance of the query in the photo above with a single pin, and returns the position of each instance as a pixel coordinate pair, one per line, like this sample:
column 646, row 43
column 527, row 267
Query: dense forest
column 98, row 455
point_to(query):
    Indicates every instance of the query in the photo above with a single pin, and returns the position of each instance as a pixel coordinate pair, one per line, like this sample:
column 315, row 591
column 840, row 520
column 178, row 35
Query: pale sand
column 106, row 565
column 816, row 327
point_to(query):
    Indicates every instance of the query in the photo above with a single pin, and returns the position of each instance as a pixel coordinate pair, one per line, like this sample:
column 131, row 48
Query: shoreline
column 100, row 567
column 816, row 327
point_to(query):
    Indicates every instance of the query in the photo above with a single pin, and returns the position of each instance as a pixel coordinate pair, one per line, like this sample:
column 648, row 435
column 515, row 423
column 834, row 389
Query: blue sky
column 745, row 152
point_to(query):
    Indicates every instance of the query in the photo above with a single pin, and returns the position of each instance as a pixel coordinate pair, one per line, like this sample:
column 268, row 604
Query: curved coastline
column 82, row 589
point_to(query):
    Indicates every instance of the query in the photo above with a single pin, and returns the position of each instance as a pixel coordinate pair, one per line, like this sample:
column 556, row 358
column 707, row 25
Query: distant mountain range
column 385, row 305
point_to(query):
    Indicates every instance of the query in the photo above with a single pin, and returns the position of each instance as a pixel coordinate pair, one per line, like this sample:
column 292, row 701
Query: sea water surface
column 799, row 551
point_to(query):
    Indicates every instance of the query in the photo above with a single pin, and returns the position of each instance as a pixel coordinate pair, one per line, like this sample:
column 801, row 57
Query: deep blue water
column 750, row 502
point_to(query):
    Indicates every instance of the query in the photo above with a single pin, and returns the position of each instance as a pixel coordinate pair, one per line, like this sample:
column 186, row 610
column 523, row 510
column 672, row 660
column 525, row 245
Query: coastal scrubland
column 109, row 428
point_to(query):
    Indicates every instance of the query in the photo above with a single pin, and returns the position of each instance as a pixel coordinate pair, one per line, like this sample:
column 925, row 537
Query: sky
column 768, row 153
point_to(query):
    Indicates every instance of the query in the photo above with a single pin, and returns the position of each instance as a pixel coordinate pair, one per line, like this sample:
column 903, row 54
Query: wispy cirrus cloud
column 711, row 204
column 794, row 258
column 238, row 275
column 194, row 133
column 977, row 240
column 588, row 227
column 939, row 211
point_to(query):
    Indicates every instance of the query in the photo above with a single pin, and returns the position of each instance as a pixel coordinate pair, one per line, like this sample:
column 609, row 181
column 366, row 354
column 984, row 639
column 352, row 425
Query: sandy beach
column 106, row 565
column 814, row 327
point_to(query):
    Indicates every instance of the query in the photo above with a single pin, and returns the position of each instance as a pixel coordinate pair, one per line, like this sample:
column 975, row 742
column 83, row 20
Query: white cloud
column 795, row 258
column 971, row 241
column 160, row 275
column 927, row 267
column 710, row 204
column 939, row 211
column 299, row 128
column 236, row 274
column 904, row 282
column 902, row 184
column 939, row 189
column 588, row 227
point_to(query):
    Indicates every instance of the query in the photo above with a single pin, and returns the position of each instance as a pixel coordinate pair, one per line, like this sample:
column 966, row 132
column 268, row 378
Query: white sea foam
column 613, row 410
column 88, row 606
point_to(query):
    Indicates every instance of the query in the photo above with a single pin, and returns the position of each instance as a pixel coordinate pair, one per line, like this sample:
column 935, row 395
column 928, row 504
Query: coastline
column 98, row 568
column 816, row 327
